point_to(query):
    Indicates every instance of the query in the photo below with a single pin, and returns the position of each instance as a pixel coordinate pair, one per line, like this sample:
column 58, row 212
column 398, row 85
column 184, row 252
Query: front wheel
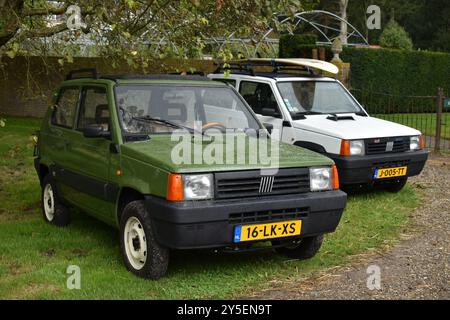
column 142, row 255
column 53, row 210
column 305, row 248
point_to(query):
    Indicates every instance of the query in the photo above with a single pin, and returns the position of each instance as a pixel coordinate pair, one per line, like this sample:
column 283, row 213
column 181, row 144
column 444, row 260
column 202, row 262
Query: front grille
column 387, row 145
column 241, row 184
column 391, row 164
column 268, row 216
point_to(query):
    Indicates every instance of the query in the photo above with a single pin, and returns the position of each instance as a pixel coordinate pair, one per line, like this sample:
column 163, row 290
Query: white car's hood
column 360, row 128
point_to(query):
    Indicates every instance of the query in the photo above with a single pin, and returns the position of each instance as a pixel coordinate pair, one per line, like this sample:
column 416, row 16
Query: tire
column 303, row 250
column 142, row 255
column 395, row 186
column 53, row 210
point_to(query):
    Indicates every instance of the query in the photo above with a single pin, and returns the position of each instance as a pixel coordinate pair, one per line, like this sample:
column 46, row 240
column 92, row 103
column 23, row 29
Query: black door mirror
column 269, row 127
column 268, row 112
column 96, row 131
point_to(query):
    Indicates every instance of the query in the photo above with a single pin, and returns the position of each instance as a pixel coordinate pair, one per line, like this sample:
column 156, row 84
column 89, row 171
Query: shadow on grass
column 187, row 261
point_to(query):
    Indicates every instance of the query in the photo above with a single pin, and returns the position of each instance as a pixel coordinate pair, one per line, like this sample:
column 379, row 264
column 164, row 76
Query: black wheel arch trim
column 311, row 146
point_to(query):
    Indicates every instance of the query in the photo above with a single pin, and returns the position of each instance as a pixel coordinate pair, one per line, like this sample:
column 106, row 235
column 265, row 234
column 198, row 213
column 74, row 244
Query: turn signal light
column 175, row 187
column 335, row 178
column 422, row 142
column 345, row 148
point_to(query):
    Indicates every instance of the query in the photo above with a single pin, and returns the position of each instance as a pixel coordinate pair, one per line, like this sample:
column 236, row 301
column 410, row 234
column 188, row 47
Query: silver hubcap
column 49, row 203
column 135, row 243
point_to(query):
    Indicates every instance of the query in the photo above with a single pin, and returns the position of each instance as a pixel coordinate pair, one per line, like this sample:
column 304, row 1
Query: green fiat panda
column 171, row 162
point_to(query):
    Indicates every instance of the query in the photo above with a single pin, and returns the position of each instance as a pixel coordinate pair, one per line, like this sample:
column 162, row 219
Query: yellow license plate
column 267, row 231
column 390, row 172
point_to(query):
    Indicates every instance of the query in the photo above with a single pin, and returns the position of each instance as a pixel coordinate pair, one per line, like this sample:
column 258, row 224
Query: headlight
column 357, row 148
column 321, row 179
column 352, row 148
column 198, row 187
column 414, row 143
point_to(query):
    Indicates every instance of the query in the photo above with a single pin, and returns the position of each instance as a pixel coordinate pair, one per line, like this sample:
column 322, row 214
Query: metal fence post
column 439, row 106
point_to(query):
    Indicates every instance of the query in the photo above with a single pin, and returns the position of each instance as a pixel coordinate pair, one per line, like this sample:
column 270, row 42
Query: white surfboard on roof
column 309, row 63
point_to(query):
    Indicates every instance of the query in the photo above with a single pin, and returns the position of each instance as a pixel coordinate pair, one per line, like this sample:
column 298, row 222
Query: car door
column 88, row 169
column 60, row 131
column 259, row 95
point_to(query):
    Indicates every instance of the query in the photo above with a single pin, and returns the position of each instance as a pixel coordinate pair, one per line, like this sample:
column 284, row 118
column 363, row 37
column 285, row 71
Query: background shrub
column 394, row 36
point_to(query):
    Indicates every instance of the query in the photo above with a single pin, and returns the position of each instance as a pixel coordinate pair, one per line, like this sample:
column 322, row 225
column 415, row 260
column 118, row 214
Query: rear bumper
column 360, row 170
column 210, row 224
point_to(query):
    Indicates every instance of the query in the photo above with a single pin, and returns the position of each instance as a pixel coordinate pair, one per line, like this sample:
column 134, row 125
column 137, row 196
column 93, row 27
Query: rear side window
column 64, row 113
column 94, row 108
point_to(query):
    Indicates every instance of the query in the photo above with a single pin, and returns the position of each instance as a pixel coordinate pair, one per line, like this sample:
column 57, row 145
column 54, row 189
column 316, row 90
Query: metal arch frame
column 316, row 25
column 296, row 20
column 252, row 45
column 335, row 16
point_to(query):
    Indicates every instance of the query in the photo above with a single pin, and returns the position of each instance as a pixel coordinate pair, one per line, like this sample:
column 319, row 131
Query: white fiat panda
column 320, row 114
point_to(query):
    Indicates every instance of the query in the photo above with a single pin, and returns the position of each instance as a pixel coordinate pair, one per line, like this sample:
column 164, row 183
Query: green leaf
column 11, row 54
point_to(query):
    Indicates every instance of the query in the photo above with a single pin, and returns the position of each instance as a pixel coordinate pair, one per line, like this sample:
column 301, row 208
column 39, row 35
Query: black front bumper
column 361, row 170
column 210, row 224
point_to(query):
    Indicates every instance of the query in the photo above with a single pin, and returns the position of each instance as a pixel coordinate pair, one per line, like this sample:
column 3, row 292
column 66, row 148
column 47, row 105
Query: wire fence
column 424, row 113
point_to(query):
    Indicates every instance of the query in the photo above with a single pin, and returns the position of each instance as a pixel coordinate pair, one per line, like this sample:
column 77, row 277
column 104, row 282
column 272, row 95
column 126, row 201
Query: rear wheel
column 142, row 255
column 303, row 249
column 53, row 210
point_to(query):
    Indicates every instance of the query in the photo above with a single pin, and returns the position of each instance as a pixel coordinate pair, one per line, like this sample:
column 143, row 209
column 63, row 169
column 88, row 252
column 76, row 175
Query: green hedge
column 294, row 45
column 301, row 51
column 380, row 78
column 398, row 72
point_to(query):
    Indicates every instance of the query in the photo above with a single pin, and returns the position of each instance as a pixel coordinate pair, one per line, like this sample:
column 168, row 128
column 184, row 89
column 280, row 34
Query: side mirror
column 268, row 126
column 96, row 131
column 270, row 112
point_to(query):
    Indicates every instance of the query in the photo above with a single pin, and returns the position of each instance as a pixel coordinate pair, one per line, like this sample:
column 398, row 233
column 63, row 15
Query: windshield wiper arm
column 308, row 113
column 166, row 122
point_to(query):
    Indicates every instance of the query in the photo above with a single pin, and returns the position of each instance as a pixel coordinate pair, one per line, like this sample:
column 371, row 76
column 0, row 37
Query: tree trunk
column 343, row 12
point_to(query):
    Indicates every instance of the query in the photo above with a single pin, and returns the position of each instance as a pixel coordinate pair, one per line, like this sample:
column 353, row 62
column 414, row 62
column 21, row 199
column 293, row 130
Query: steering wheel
column 218, row 125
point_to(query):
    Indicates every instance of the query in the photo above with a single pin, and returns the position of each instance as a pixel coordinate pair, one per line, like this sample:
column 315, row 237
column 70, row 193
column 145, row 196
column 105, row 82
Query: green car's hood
column 159, row 151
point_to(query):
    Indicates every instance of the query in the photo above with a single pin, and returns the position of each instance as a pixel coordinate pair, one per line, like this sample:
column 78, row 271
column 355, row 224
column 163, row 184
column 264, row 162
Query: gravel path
column 418, row 267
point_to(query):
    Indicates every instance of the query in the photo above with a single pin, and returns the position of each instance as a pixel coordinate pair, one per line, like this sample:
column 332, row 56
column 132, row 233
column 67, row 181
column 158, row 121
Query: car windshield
column 152, row 109
column 317, row 97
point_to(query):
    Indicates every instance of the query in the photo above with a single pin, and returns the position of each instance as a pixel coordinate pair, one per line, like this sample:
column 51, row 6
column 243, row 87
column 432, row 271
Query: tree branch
column 44, row 11
column 45, row 32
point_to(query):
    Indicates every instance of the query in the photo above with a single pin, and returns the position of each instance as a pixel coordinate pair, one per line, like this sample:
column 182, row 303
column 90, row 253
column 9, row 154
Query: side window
column 94, row 108
column 260, row 97
column 64, row 113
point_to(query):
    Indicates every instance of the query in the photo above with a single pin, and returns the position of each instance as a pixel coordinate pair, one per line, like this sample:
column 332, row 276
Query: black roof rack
column 155, row 77
column 92, row 71
column 248, row 67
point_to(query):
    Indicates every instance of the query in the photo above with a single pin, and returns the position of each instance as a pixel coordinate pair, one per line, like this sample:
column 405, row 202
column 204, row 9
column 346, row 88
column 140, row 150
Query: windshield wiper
column 308, row 113
column 166, row 122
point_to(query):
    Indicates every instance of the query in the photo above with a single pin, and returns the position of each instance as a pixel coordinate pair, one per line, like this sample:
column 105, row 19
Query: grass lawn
column 425, row 122
column 34, row 256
